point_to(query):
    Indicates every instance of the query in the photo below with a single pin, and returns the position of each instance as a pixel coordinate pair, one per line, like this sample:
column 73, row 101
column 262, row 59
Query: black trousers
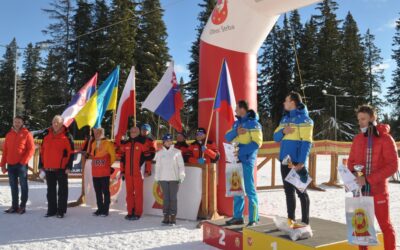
column 291, row 199
column 102, row 189
column 57, row 204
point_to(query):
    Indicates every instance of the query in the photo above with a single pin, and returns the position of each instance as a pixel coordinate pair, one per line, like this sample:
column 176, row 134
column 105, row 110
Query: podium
column 217, row 234
column 328, row 235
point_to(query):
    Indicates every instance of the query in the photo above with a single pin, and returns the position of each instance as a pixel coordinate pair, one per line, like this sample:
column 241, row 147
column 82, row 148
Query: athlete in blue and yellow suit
column 247, row 132
column 295, row 133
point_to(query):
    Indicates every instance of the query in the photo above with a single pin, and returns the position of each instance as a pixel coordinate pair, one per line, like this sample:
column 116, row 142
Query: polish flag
column 126, row 107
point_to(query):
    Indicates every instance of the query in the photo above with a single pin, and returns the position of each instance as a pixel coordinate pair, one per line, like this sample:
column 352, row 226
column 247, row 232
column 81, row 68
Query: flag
column 104, row 99
column 166, row 100
column 79, row 100
column 225, row 102
column 126, row 107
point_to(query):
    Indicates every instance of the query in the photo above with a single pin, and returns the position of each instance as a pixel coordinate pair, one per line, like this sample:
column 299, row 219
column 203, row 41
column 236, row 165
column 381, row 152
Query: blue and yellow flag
column 104, row 99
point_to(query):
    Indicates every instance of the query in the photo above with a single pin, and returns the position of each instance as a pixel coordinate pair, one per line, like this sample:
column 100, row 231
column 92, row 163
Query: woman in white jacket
column 169, row 172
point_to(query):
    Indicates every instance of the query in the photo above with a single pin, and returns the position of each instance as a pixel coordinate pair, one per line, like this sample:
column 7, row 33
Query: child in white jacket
column 169, row 172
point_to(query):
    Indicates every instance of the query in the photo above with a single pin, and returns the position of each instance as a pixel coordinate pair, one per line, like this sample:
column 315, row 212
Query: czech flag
column 126, row 107
column 166, row 100
column 225, row 102
column 104, row 99
column 79, row 100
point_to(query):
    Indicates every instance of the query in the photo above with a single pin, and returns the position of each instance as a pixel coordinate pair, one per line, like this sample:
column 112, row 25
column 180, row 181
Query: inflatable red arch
column 235, row 31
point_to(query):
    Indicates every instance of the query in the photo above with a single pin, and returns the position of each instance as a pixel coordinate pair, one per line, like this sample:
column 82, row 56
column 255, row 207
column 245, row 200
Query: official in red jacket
column 131, row 168
column 18, row 149
column 383, row 165
column 56, row 159
column 149, row 147
column 182, row 145
column 103, row 156
column 200, row 151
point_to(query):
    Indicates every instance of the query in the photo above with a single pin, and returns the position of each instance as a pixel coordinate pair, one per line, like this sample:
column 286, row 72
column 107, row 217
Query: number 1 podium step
column 328, row 235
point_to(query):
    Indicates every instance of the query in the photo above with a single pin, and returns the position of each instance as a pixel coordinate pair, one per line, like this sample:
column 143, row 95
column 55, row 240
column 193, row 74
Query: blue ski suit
column 249, row 143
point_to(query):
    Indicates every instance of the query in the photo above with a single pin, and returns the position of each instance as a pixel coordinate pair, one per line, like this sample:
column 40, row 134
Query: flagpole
column 112, row 125
column 134, row 99
column 158, row 128
column 212, row 107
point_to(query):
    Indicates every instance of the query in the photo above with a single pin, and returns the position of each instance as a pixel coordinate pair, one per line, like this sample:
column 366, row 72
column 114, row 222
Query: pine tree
column 282, row 73
column 81, row 69
column 192, row 88
column 329, row 67
column 393, row 95
column 30, row 85
column 7, row 74
column 353, row 79
column 375, row 75
column 307, row 54
column 266, row 59
column 59, row 33
column 151, row 53
column 101, row 39
column 122, row 37
column 296, row 34
column 54, row 101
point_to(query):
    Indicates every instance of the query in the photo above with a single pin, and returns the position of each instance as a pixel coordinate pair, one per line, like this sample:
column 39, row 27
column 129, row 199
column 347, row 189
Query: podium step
column 217, row 234
column 328, row 235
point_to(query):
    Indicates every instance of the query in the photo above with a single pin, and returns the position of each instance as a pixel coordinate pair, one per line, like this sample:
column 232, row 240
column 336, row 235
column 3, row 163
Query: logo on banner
column 158, row 196
column 115, row 183
column 220, row 12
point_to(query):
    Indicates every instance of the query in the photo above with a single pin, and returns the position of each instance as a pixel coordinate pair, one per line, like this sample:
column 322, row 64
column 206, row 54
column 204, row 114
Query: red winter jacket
column 57, row 150
column 384, row 158
column 18, row 147
column 211, row 154
column 132, row 158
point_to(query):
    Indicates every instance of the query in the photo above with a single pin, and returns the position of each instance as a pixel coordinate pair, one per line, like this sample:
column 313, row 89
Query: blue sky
column 24, row 20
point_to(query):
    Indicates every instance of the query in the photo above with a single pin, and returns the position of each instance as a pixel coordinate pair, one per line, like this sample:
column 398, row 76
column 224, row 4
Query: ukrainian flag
column 104, row 99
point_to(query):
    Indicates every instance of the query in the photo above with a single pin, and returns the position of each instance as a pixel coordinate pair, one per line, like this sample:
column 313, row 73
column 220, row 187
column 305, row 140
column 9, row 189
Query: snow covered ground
column 80, row 230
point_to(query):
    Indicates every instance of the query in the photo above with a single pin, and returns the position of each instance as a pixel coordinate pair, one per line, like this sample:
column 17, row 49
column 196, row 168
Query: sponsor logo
column 249, row 241
column 237, row 242
column 158, row 196
column 220, row 12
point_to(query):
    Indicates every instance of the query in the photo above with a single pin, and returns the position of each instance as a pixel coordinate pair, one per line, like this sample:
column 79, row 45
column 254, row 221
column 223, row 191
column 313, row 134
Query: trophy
column 358, row 169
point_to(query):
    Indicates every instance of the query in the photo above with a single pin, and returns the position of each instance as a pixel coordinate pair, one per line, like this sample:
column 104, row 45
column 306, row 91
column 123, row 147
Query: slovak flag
column 126, row 107
column 166, row 100
column 79, row 100
column 225, row 102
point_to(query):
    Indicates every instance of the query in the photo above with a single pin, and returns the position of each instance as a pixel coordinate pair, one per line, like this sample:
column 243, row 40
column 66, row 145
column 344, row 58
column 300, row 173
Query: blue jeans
column 248, row 163
column 20, row 172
